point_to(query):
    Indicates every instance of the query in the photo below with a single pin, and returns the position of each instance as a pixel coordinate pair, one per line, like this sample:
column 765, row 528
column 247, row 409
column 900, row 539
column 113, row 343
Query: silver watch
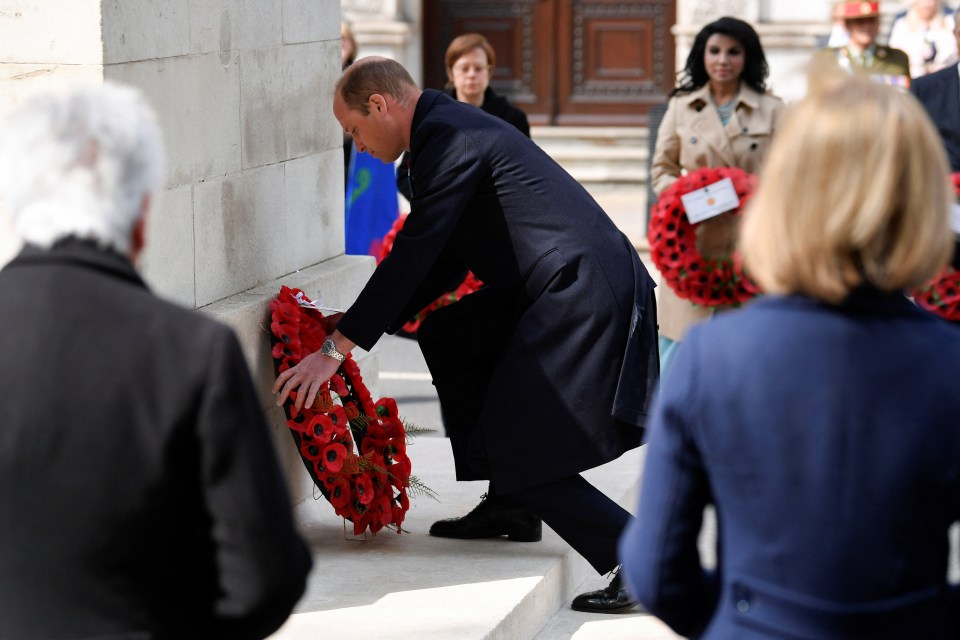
column 328, row 348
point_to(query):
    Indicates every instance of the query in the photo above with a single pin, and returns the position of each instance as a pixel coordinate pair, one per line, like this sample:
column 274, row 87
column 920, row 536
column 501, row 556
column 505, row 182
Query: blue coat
column 828, row 439
column 570, row 385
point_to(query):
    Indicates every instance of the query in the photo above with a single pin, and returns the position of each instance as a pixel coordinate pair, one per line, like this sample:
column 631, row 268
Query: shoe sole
column 633, row 607
column 512, row 537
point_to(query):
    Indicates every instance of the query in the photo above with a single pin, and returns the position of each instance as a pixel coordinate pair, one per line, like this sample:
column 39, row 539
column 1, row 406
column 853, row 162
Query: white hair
column 80, row 164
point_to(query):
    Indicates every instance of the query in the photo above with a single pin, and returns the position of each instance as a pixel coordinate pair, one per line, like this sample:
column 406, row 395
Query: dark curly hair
column 755, row 69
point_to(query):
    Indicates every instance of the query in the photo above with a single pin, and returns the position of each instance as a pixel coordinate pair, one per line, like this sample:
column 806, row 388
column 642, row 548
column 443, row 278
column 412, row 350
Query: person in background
column 470, row 62
column 348, row 46
column 544, row 372
column 925, row 34
column 830, row 444
column 720, row 115
column 939, row 93
column 838, row 29
column 348, row 53
column 140, row 493
column 862, row 54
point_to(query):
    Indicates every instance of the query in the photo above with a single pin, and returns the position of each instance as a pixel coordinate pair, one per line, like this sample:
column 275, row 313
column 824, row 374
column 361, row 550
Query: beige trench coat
column 690, row 137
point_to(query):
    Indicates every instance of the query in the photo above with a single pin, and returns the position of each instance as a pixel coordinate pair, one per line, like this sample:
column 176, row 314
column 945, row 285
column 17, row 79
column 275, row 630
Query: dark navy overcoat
column 571, row 385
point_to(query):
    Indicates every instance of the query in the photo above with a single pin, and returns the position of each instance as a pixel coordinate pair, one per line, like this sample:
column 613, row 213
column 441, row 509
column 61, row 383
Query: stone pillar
column 389, row 28
column 254, row 190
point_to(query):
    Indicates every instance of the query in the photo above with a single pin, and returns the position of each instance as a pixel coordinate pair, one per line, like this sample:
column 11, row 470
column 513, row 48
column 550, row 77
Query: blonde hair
column 855, row 191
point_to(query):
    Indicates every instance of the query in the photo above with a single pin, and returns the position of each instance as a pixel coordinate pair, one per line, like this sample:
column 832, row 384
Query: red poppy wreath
column 704, row 281
column 942, row 294
column 355, row 449
column 468, row 286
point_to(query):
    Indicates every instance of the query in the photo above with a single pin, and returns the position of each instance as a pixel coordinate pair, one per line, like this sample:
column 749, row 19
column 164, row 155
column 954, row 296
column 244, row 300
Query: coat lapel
column 705, row 123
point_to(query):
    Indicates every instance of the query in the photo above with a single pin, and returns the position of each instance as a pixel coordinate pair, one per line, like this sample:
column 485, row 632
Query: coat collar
column 701, row 98
column 82, row 253
column 705, row 122
column 426, row 102
column 864, row 300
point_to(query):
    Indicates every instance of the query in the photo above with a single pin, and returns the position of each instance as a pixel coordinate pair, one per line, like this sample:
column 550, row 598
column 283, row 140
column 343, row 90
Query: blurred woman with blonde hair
column 830, row 444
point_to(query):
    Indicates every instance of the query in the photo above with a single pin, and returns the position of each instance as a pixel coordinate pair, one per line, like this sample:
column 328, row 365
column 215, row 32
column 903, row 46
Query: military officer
column 862, row 54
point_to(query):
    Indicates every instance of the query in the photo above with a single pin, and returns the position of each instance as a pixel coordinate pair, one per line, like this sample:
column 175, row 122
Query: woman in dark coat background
column 470, row 61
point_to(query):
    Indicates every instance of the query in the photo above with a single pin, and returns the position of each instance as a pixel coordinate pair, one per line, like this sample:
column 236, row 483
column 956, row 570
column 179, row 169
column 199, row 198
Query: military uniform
column 883, row 64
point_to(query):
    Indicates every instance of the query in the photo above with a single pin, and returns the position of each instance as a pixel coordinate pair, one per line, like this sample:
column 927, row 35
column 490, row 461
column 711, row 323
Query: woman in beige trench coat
column 720, row 115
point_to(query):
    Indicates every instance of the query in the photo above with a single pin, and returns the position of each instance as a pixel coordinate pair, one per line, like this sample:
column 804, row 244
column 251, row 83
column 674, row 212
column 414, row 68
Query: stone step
column 598, row 155
column 417, row 586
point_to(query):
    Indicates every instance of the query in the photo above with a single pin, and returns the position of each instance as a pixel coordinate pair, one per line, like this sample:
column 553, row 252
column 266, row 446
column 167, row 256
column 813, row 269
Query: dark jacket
column 140, row 495
column 495, row 105
column 828, row 438
column 487, row 199
column 939, row 93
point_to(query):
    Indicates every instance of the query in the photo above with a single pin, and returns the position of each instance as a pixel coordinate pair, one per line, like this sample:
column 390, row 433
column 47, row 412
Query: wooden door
column 565, row 62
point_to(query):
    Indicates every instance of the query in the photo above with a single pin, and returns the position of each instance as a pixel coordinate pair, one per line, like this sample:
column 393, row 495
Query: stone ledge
column 417, row 586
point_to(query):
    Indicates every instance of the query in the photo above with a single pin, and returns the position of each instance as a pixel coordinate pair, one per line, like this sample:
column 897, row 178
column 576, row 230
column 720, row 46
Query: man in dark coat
column 545, row 372
column 939, row 93
column 140, row 495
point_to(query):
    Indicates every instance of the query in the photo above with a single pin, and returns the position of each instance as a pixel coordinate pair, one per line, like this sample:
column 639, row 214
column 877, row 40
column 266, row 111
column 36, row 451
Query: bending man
column 546, row 371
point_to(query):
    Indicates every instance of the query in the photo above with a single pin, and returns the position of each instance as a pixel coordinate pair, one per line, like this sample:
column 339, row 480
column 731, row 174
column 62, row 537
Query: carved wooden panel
column 564, row 61
column 619, row 62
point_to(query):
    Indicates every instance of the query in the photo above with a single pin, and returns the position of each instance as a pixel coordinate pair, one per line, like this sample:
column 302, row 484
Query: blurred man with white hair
column 140, row 494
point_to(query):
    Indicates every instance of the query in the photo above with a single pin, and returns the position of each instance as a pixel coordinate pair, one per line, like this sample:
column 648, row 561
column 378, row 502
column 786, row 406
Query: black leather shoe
column 611, row 599
column 490, row 519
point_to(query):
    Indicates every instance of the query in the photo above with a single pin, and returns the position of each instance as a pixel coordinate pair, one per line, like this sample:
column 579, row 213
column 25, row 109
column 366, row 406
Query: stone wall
column 254, row 189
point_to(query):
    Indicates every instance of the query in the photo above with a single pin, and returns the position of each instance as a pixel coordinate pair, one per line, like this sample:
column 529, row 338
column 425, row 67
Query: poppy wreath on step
column 355, row 449
column 469, row 284
column 942, row 294
column 708, row 282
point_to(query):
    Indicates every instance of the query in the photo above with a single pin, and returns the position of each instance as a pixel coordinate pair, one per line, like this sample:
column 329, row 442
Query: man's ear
column 377, row 102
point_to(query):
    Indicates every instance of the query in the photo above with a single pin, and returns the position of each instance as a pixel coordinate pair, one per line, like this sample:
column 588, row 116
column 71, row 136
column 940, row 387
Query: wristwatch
column 330, row 349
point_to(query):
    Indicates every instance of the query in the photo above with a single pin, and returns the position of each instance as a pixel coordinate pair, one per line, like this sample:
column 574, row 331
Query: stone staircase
column 416, row 586
column 611, row 163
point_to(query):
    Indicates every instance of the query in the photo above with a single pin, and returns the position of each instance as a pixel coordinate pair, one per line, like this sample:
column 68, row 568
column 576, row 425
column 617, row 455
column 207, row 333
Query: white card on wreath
column 710, row 201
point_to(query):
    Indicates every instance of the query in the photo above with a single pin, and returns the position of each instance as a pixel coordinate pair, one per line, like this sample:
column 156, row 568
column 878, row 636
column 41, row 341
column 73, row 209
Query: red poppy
column 338, row 386
column 386, row 407
column 363, row 489
column 310, row 449
column 334, row 456
column 340, row 493
column 320, row 428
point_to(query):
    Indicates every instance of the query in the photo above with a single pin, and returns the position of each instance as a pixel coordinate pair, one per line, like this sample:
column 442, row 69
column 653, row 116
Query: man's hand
column 312, row 371
column 307, row 376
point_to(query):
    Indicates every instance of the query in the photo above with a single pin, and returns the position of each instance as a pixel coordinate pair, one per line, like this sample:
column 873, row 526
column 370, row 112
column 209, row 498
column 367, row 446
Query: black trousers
column 461, row 344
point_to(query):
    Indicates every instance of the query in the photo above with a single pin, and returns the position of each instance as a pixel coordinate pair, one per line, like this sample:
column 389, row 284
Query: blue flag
column 371, row 205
